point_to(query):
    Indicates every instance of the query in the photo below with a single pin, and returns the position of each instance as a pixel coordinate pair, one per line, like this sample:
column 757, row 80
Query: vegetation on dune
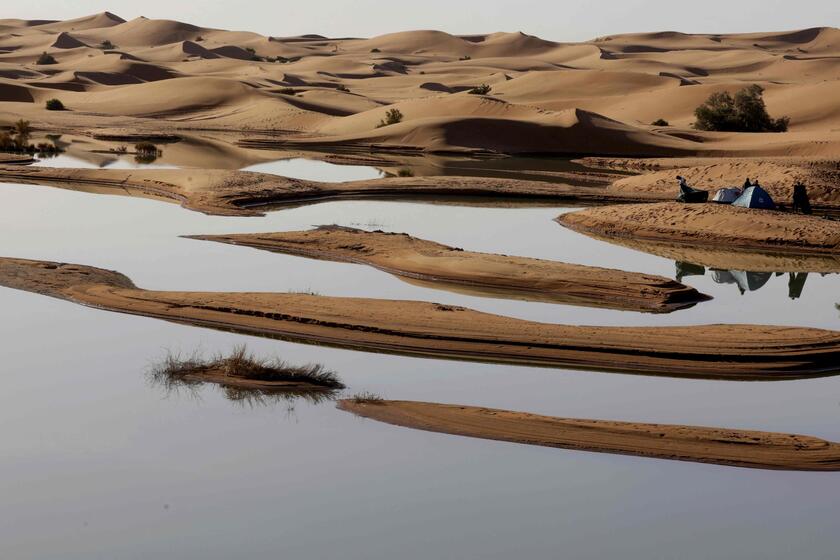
column 146, row 152
column 745, row 112
column 393, row 116
column 55, row 105
column 483, row 89
column 46, row 58
column 660, row 122
column 234, row 371
column 367, row 397
column 107, row 45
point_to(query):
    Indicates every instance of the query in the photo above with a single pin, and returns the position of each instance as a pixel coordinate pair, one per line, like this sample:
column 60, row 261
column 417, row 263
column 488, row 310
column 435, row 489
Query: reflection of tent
column 755, row 197
column 746, row 281
column 727, row 196
column 689, row 269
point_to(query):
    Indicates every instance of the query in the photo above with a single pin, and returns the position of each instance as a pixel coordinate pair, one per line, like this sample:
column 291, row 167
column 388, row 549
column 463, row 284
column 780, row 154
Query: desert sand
column 596, row 97
column 720, row 446
column 245, row 193
column 712, row 225
column 730, row 352
column 480, row 273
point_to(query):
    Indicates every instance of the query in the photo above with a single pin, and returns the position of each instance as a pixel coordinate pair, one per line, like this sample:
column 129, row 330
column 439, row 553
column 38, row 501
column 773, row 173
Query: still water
column 98, row 463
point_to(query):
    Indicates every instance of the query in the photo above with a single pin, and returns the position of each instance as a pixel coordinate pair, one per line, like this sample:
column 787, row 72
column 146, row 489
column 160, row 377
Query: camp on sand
column 752, row 195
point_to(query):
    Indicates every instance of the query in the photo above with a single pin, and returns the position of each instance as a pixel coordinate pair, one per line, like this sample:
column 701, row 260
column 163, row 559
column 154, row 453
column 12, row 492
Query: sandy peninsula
column 720, row 446
column 246, row 193
column 486, row 274
column 710, row 225
column 730, row 352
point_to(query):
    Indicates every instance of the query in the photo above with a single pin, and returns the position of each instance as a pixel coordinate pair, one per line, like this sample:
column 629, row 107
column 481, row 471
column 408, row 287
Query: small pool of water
column 99, row 463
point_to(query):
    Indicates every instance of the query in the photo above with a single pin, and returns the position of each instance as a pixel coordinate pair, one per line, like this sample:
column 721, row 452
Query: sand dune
column 596, row 97
column 719, row 446
column 730, row 352
column 440, row 266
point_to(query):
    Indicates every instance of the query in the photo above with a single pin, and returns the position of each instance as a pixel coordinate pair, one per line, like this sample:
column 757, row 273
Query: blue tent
column 755, row 197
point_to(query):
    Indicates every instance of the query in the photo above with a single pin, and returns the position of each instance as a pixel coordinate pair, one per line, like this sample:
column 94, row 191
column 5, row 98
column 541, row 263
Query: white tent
column 727, row 195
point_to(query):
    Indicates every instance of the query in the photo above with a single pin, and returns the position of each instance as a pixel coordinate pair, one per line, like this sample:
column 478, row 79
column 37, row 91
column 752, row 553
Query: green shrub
column 393, row 116
column 660, row 122
column 483, row 89
column 745, row 112
column 107, row 45
column 55, row 105
column 46, row 58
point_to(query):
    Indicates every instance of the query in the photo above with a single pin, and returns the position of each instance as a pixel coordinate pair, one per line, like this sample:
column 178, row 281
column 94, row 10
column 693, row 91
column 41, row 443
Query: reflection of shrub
column 405, row 173
column 46, row 58
column 745, row 112
column 483, row 89
column 393, row 116
column 660, row 122
column 146, row 152
column 55, row 105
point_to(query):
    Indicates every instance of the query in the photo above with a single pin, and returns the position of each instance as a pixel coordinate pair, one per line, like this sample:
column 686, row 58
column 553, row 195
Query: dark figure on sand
column 801, row 203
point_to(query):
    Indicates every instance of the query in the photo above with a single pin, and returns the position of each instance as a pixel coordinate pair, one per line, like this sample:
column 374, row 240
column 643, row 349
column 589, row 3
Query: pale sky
column 559, row 20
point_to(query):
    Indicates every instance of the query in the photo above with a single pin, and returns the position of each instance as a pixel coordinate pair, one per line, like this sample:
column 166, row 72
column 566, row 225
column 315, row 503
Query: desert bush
column 107, row 45
column 465, row 57
column 405, row 172
column 660, row 122
column 483, row 89
column 23, row 128
column 6, row 141
column 375, row 51
column 146, row 148
column 745, row 112
column 367, row 397
column 200, row 39
column 46, row 58
column 251, row 50
column 393, row 116
column 342, row 87
column 55, row 105
column 288, row 91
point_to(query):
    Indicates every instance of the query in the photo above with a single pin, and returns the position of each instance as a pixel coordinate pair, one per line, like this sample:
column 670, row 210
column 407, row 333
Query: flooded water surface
column 98, row 462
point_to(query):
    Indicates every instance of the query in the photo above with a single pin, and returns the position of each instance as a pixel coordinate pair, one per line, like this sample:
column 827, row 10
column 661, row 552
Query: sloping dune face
column 595, row 97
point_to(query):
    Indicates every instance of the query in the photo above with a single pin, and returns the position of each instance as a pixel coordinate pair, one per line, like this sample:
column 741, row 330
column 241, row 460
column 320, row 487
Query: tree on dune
column 745, row 112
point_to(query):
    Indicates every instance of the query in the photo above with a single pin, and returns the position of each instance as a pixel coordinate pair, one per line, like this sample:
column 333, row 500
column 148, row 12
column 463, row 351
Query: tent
column 755, row 197
column 727, row 196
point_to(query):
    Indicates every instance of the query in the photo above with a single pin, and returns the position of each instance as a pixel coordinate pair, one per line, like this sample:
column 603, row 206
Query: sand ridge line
column 720, row 446
column 730, row 352
column 479, row 273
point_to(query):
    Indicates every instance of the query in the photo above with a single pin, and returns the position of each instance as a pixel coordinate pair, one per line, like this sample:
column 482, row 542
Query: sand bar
column 720, row 446
column 245, row 193
column 714, row 225
column 732, row 352
column 483, row 273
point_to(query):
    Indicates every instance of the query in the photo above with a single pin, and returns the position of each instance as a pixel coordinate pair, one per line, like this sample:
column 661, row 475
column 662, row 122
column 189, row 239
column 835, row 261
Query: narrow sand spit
column 482, row 273
column 713, row 225
column 720, row 446
column 245, row 193
column 733, row 352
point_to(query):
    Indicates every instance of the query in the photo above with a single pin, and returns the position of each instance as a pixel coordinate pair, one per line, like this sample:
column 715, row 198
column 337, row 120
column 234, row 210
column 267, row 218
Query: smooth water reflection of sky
column 98, row 463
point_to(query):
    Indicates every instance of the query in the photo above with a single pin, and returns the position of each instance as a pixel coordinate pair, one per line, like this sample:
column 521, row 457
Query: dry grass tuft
column 313, row 382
